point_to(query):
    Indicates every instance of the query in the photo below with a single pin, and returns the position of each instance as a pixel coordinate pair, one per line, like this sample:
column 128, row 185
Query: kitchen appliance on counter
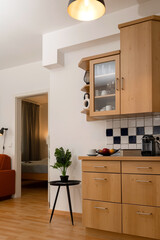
column 148, row 145
column 157, row 146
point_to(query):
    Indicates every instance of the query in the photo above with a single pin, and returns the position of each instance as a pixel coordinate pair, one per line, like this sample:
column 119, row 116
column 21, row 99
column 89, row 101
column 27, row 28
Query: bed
column 35, row 170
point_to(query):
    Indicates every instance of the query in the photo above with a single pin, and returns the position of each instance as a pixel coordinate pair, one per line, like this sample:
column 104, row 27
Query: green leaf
column 62, row 160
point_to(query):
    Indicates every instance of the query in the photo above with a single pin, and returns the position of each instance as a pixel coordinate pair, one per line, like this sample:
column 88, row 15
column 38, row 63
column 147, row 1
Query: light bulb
column 86, row 2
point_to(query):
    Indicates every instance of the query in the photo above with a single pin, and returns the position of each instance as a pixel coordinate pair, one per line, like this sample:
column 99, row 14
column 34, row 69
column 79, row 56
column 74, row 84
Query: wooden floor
column 27, row 218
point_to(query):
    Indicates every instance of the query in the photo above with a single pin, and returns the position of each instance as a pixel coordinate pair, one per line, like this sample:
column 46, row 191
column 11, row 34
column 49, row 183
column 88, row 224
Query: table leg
column 69, row 201
column 54, row 204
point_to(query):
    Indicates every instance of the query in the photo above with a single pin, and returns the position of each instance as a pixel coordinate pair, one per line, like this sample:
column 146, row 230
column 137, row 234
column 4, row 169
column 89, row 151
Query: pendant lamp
column 86, row 10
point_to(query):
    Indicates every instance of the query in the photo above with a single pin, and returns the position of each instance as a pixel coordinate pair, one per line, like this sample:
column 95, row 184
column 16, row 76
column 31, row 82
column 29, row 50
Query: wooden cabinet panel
column 102, row 215
column 136, row 94
column 155, row 65
column 141, row 221
column 101, row 186
column 141, row 189
column 140, row 53
column 101, row 166
column 141, row 167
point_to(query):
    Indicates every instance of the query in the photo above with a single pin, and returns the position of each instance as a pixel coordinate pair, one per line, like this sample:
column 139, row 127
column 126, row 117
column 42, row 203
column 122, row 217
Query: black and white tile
column 127, row 133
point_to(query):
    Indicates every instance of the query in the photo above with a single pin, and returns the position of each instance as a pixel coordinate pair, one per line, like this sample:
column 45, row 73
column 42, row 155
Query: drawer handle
column 100, row 166
column 143, row 213
column 102, row 208
column 143, row 181
column 144, row 167
column 101, row 179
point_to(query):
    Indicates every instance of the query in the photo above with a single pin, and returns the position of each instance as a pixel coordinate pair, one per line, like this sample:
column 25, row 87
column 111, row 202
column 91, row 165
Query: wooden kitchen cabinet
column 102, row 215
column 122, row 195
column 140, row 65
column 107, row 187
column 141, row 221
column 139, row 167
column 141, row 198
column 141, row 189
column 136, row 73
column 101, row 166
column 101, row 191
column 104, row 84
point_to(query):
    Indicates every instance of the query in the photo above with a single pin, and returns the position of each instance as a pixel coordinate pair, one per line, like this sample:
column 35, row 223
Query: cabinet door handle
column 100, row 166
column 122, row 83
column 143, row 181
column 101, row 179
column 102, row 208
column 144, row 167
column 117, row 84
column 143, row 213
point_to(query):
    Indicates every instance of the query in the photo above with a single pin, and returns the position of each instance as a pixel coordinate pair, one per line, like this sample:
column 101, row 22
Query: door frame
column 18, row 105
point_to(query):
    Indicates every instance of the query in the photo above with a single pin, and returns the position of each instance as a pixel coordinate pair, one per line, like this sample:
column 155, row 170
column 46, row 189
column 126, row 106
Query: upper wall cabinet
column 104, row 83
column 140, row 65
column 128, row 81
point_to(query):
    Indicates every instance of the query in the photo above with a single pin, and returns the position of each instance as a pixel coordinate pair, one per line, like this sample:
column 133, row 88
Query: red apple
column 106, row 151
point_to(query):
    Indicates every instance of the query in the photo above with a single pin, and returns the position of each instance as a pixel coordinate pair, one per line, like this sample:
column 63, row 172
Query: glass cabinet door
column 105, row 86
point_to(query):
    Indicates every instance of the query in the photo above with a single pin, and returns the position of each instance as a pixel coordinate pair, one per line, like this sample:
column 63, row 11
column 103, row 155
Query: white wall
column 69, row 127
column 18, row 81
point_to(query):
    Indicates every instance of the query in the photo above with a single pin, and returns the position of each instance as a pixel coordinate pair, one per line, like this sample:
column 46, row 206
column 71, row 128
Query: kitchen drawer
column 141, row 189
column 101, row 186
column 141, row 221
column 102, row 215
column 141, row 167
column 101, row 166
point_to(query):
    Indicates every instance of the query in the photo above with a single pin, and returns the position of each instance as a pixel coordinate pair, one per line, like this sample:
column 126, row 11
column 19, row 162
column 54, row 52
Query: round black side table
column 61, row 184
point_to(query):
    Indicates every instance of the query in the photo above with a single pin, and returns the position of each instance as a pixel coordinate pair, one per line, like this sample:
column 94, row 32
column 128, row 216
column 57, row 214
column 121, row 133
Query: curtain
column 30, row 132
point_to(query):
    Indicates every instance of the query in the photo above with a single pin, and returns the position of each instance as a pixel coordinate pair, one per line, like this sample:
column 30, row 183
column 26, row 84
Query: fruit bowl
column 103, row 154
column 107, row 152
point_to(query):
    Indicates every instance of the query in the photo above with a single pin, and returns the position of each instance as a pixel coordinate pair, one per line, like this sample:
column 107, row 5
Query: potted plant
column 62, row 162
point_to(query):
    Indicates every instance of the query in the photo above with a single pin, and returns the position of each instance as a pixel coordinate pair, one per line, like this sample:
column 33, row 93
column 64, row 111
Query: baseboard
column 66, row 213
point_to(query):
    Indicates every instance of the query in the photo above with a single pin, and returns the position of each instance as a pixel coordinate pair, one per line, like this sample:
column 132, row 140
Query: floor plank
column 27, row 218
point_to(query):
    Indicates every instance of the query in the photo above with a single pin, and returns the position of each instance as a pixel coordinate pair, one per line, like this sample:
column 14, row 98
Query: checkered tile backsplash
column 126, row 133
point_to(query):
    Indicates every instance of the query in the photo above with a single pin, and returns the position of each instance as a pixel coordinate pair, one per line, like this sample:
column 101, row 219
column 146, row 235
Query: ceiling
column 22, row 23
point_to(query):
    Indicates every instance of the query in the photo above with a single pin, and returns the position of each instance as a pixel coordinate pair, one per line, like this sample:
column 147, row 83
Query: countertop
column 121, row 158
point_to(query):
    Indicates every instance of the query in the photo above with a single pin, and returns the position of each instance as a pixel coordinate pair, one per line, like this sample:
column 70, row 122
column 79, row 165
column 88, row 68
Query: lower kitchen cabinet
column 101, row 166
column 141, row 167
column 122, row 195
column 102, row 186
column 141, row 221
column 102, row 215
column 141, row 189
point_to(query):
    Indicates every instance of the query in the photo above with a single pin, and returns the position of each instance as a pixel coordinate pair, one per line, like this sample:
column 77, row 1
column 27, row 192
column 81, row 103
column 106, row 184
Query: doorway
column 32, row 143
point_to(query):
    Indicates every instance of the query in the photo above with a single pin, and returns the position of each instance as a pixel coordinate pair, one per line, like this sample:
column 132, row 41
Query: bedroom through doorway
column 34, row 145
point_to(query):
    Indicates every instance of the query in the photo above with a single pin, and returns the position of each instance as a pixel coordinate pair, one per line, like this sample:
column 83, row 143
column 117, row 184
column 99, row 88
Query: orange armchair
column 7, row 177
